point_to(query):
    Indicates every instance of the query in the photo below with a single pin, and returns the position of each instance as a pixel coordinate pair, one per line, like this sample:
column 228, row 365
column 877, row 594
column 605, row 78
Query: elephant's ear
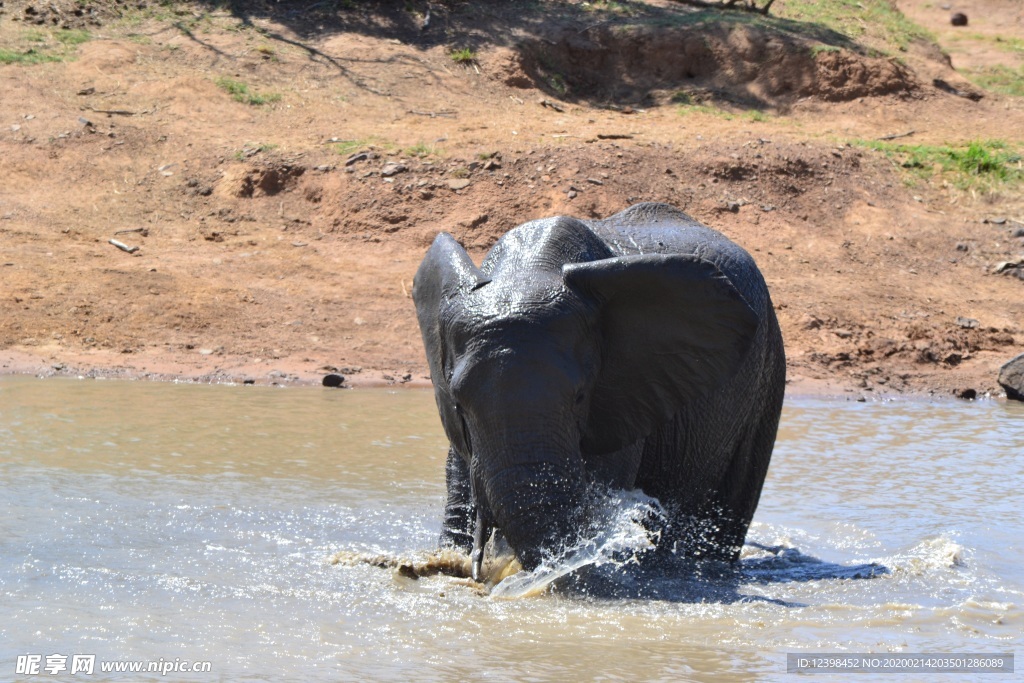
column 446, row 273
column 672, row 327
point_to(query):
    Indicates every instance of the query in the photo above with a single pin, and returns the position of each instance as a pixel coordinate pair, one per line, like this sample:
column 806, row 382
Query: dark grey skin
column 639, row 351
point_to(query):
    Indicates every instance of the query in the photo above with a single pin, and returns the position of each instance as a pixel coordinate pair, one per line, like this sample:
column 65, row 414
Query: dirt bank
column 276, row 178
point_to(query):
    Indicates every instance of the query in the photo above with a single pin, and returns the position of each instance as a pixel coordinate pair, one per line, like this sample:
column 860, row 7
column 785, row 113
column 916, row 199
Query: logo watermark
column 52, row 665
column 852, row 662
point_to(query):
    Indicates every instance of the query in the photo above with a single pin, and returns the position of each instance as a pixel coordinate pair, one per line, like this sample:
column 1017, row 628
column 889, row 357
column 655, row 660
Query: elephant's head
column 556, row 353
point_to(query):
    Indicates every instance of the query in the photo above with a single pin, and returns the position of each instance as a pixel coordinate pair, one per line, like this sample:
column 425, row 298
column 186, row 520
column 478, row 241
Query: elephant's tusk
column 481, row 533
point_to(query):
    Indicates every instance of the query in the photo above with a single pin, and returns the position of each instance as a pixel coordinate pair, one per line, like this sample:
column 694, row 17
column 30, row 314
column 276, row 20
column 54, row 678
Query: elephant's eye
column 580, row 397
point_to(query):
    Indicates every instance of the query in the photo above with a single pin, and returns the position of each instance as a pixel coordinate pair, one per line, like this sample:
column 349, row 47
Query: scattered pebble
column 393, row 168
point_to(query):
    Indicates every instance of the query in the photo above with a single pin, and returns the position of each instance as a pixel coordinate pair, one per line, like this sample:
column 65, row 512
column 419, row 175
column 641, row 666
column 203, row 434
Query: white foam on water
column 619, row 537
column 937, row 552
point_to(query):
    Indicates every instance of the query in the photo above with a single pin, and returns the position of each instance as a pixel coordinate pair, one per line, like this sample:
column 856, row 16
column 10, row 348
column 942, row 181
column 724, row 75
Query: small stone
column 967, row 394
column 958, row 19
column 392, row 168
column 333, row 380
column 1019, row 232
column 999, row 220
column 810, row 322
column 458, row 183
column 963, row 246
column 1011, row 378
column 967, row 323
column 571, row 194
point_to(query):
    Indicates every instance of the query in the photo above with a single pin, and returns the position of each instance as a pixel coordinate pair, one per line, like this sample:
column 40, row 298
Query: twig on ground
column 121, row 112
column 894, row 136
column 448, row 114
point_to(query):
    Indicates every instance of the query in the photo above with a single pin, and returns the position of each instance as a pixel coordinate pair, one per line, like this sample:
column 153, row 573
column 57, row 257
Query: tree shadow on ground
column 532, row 27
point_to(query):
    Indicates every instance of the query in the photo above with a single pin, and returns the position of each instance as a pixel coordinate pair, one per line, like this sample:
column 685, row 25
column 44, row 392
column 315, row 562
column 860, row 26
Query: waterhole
column 160, row 522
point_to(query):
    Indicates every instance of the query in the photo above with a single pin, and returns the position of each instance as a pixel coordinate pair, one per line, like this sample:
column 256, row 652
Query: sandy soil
column 277, row 242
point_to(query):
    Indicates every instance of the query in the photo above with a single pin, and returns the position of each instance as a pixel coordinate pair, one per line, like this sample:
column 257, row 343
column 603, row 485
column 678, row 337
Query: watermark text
column 852, row 662
column 55, row 664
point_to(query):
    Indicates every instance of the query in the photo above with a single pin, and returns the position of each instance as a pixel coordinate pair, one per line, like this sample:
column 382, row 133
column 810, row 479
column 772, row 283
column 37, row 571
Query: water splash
column 621, row 531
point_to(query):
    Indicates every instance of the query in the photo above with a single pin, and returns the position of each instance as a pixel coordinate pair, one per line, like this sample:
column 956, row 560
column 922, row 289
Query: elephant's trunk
column 538, row 506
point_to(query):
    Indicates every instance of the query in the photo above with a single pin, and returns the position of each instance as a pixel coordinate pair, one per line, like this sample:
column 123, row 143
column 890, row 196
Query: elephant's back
column 652, row 228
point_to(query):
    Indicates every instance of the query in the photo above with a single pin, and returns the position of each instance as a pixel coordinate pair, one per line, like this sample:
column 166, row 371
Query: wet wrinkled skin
column 636, row 352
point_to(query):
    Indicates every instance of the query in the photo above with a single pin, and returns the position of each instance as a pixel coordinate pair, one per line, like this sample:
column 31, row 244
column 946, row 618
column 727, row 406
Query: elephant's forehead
column 498, row 303
column 510, row 315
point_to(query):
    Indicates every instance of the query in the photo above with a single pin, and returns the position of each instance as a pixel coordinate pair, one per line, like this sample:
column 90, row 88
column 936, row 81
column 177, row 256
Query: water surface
column 146, row 522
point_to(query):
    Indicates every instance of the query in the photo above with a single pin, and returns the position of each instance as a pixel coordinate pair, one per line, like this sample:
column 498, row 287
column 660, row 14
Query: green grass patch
column 706, row 109
column 420, row 150
column 40, row 46
column 822, row 49
column 681, row 97
column 1001, row 79
column 876, row 21
column 28, row 57
column 72, row 37
column 347, row 147
column 1005, row 43
column 240, row 92
column 757, row 116
column 557, row 83
column 979, row 164
column 253, row 148
column 687, row 108
column 463, row 56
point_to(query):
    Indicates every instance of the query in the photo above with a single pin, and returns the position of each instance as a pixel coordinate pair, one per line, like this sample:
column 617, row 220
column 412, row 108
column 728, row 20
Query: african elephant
column 638, row 351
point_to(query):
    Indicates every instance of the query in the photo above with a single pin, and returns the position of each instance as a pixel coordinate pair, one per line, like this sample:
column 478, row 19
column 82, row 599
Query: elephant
column 640, row 351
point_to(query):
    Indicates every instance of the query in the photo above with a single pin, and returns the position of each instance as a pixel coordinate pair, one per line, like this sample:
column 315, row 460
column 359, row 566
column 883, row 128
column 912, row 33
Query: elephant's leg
column 708, row 484
column 459, row 513
column 738, row 494
column 675, row 469
column 715, row 525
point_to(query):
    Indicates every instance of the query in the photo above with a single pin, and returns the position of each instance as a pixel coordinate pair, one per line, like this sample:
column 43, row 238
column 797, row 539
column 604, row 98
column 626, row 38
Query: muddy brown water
column 179, row 523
